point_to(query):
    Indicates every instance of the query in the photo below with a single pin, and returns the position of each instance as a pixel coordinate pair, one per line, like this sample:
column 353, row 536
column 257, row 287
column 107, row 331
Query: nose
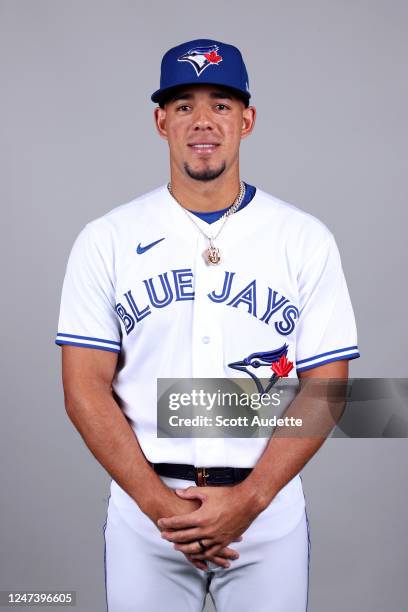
column 202, row 118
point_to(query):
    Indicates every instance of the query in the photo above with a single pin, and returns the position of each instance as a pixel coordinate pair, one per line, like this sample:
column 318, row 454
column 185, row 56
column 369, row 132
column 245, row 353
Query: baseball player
column 193, row 280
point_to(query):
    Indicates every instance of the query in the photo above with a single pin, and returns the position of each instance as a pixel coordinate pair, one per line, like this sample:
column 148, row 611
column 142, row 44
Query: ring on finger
column 201, row 545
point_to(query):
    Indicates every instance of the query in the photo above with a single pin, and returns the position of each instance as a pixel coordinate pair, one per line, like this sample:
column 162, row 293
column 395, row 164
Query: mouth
column 204, row 148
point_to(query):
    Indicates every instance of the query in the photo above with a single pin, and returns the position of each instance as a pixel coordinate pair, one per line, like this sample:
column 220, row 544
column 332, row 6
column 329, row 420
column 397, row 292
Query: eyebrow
column 183, row 95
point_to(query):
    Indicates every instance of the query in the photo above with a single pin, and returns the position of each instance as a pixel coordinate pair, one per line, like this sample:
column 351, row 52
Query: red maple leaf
column 213, row 58
column 282, row 367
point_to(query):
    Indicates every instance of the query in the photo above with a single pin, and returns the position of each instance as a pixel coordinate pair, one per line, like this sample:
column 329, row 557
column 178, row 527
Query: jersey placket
column 207, row 346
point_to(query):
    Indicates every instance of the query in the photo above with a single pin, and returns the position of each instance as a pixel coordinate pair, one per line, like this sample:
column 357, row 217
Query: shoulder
column 293, row 216
column 124, row 216
column 106, row 235
column 304, row 232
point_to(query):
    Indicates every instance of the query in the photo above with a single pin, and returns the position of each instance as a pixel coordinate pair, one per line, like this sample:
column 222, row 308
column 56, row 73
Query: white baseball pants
column 144, row 573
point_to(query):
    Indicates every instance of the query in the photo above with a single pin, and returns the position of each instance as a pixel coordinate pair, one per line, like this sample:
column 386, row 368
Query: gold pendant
column 212, row 255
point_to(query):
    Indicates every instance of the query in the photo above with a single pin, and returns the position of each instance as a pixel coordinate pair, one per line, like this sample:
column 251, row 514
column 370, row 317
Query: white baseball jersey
column 137, row 284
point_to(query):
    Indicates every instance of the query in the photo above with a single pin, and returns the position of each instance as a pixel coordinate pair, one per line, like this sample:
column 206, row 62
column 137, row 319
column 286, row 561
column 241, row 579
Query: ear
column 248, row 121
column 160, row 121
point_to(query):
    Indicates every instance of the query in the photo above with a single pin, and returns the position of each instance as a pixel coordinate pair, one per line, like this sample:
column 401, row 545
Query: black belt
column 202, row 476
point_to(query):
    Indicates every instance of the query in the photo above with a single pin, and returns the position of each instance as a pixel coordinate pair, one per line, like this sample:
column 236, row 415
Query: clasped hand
column 222, row 518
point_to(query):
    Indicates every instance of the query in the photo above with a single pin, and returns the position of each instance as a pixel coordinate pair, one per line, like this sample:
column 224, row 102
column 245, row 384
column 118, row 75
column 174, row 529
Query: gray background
column 329, row 82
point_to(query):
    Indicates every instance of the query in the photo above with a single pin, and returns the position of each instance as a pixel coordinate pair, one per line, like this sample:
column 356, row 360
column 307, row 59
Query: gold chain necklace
column 212, row 254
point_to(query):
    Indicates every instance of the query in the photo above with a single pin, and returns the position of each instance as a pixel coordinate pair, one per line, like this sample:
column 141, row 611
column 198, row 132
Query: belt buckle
column 201, row 476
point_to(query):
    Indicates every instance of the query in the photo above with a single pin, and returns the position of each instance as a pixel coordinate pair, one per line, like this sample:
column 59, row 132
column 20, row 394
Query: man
column 192, row 280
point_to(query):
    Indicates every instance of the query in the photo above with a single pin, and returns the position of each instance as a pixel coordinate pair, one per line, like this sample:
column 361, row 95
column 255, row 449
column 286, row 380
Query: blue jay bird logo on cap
column 275, row 359
column 201, row 57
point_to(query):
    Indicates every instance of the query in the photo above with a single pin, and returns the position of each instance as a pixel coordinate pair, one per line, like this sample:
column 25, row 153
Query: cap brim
column 161, row 95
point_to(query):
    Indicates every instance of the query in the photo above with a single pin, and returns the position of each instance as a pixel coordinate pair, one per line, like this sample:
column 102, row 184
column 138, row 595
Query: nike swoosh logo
column 142, row 249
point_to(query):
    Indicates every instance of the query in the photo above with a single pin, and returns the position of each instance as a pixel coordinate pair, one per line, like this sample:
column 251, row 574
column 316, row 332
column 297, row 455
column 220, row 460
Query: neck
column 205, row 196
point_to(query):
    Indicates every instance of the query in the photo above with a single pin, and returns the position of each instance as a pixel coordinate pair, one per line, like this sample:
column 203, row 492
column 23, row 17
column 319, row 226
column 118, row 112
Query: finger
column 202, row 565
column 211, row 551
column 206, row 556
column 183, row 535
column 194, row 549
column 180, row 521
column 215, row 549
column 221, row 561
column 228, row 553
column 189, row 547
column 191, row 493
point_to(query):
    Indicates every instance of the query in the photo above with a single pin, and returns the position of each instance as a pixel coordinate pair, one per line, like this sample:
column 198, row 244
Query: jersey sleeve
column 87, row 312
column 327, row 329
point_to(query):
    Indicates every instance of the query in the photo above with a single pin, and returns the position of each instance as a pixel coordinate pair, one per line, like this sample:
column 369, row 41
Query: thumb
column 191, row 493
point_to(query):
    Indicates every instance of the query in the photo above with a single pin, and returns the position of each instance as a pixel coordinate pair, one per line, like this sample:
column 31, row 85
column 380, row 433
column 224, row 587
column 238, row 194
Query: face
column 204, row 126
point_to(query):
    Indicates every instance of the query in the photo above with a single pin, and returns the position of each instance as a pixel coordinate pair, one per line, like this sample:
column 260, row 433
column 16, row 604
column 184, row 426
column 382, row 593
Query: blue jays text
column 177, row 286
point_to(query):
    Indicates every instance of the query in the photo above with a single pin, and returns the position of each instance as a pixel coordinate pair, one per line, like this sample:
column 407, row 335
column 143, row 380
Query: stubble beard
column 207, row 174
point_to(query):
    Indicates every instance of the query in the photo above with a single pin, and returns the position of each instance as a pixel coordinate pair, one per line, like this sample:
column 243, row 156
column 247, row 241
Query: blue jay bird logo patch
column 275, row 359
column 201, row 57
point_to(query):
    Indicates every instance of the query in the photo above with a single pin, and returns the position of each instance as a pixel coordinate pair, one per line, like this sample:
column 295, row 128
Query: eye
column 182, row 107
column 222, row 107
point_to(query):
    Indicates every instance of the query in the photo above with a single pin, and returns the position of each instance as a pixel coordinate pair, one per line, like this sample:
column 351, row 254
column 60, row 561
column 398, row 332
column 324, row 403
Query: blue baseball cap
column 203, row 61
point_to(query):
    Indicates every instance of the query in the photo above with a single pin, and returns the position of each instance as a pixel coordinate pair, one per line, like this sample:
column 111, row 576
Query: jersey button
column 206, row 339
